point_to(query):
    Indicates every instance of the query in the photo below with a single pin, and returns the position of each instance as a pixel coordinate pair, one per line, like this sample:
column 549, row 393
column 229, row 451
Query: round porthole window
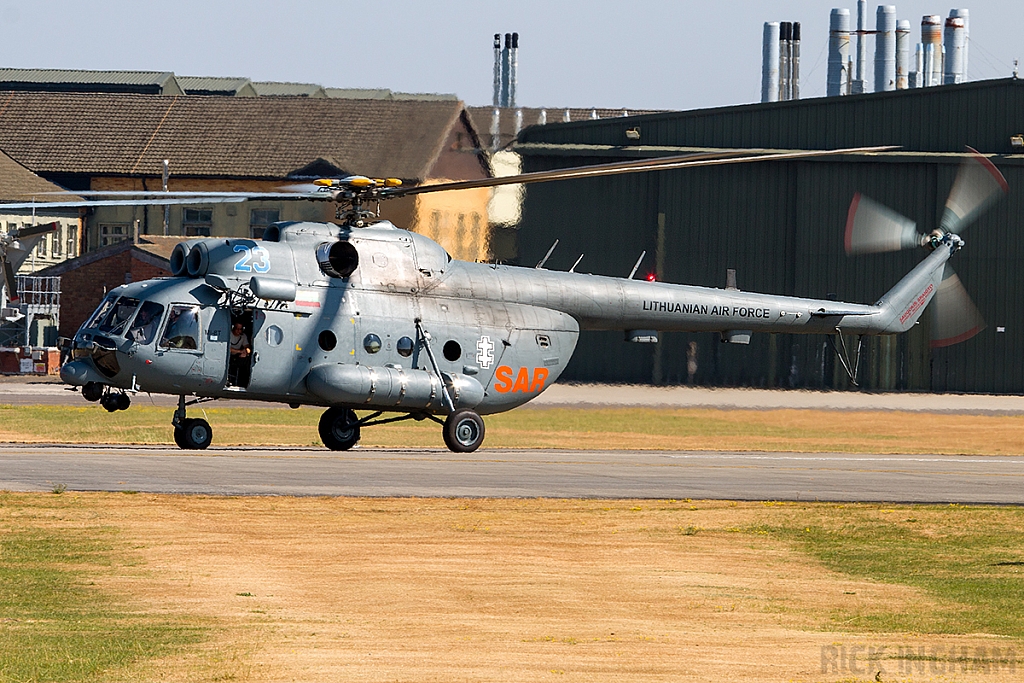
column 452, row 350
column 404, row 347
column 327, row 340
column 274, row 336
column 371, row 343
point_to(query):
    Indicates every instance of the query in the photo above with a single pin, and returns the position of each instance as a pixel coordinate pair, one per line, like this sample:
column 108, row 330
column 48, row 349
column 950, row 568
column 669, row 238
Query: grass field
column 191, row 588
column 612, row 428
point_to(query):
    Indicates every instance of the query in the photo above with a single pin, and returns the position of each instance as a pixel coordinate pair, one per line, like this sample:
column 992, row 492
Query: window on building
column 58, row 240
column 197, row 222
column 260, row 219
column 113, row 233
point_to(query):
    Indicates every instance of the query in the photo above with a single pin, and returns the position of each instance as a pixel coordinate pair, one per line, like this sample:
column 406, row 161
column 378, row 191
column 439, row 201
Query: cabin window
column 182, row 331
column 197, row 222
column 404, row 346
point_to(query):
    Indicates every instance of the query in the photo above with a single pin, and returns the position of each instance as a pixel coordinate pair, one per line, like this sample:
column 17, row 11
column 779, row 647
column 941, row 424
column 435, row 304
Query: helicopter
column 358, row 314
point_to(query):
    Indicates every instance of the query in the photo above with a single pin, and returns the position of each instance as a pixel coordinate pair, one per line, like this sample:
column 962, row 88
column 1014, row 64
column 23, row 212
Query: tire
column 463, row 431
column 197, row 434
column 123, row 402
column 179, row 435
column 337, row 429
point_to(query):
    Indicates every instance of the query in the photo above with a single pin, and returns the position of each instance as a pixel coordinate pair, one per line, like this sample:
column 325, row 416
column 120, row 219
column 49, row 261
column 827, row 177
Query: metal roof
column 152, row 82
column 232, row 86
column 983, row 114
column 282, row 89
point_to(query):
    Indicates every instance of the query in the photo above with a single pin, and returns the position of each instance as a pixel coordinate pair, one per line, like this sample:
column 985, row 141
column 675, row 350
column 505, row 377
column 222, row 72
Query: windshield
column 119, row 315
column 100, row 311
column 143, row 328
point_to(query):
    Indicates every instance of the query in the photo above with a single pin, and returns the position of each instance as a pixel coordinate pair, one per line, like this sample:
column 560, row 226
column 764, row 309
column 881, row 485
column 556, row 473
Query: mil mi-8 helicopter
column 360, row 314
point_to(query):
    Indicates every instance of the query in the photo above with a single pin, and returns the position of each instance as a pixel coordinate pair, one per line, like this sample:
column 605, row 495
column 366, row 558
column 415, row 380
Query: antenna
column 573, row 269
column 547, row 255
column 633, row 272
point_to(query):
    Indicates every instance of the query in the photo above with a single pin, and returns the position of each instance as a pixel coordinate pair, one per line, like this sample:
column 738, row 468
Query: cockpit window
column 101, row 311
column 120, row 313
column 143, row 328
column 182, row 331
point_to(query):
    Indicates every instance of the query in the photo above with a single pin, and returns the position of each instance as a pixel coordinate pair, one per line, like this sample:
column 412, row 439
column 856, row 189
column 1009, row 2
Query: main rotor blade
column 11, row 282
column 978, row 185
column 643, row 165
column 872, row 228
column 955, row 318
column 189, row 200
column 33, row 230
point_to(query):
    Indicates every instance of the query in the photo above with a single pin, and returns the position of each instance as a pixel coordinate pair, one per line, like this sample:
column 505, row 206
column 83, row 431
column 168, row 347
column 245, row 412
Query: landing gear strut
column 463, row 430
column 190, row 433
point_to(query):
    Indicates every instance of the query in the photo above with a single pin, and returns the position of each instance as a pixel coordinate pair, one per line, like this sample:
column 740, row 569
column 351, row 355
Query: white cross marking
column 484, row 356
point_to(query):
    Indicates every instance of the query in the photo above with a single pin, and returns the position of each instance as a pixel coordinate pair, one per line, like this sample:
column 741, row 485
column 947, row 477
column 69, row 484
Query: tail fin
column 905, row 302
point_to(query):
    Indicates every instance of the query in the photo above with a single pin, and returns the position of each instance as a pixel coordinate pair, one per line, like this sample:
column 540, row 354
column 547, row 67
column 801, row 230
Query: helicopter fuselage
column 383, row 319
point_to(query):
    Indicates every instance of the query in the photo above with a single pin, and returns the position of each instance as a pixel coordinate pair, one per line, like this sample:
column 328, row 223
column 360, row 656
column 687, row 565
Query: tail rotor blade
column 873, row 228
column 37, row 230
column 11, row 282
column 955, row 318
column 978, row 185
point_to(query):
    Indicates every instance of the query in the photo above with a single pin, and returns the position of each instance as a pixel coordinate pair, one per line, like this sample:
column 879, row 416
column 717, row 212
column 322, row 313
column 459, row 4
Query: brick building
column 87, row 279
column 109, row 142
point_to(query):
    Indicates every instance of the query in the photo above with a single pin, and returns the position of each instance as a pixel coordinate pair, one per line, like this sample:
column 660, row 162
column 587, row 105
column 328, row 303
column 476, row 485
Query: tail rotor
column 873, row 228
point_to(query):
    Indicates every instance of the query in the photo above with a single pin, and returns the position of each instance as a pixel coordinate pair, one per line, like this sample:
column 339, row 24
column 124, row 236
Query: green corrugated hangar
column 780, row 225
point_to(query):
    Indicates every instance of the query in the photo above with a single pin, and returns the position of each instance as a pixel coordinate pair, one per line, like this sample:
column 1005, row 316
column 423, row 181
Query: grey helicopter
column 361, row 315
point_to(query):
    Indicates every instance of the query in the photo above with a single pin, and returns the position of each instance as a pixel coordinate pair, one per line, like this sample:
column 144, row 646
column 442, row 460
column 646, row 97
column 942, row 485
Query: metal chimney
column 513, row 66
column 931, row 36
column 505, row 65
column 785, row 44
column 542, row 118
column 838, row 52
column 519, row 121
column 495, row 129
column 966, row 16
column 794, row 64
column 885, row 48
column 770, row 62
column 862, row 53
column 902, row 53
column 917, row 76
column 955, row 43
column 497, row 70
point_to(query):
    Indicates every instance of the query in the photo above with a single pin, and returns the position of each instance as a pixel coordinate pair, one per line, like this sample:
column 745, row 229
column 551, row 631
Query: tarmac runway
column 497, row 473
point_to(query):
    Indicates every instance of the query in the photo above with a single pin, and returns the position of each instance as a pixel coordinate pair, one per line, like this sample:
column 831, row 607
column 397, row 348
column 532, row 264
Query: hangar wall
column 780, row 225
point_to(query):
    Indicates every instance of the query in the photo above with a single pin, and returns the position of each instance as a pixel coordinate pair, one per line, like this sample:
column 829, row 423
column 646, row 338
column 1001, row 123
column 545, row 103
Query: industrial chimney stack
column 780, row 61
column 940, row 58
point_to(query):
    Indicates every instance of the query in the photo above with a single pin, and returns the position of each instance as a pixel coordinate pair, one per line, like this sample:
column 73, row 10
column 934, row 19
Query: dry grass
column 497, row 590
column 619, row 428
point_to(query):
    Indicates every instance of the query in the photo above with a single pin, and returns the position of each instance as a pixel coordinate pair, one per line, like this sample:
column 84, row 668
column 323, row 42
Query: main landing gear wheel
column 194, row 434
column 338, row 428
column 463, row 431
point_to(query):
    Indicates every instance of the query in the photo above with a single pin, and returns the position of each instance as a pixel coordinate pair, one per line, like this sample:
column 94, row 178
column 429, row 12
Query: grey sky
column 601, row 53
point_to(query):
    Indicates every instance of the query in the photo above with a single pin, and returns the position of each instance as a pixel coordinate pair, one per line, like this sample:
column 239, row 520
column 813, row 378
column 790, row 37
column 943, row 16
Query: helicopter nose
column 80, row 373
